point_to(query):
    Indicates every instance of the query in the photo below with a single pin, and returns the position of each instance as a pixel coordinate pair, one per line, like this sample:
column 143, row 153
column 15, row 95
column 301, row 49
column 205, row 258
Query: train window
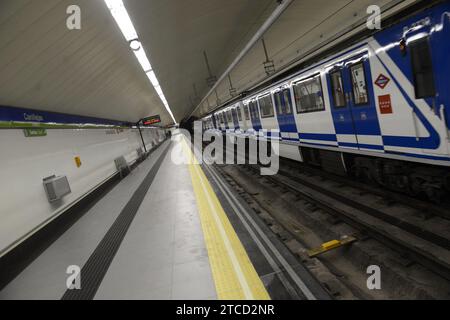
column 222, row 120
column 308, row 95
column 337, row 89
column 422, row 68
column 230, row 117
column 247, row 114
column 266, row 106
column 238, row 110
column 359, row 84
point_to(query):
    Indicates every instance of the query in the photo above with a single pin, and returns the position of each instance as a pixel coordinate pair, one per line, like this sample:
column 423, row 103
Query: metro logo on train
column 382, row 81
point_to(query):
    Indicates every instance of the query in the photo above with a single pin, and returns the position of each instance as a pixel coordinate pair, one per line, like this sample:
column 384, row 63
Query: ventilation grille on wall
column 122, row 166
column 56, row 187
column 140, row 153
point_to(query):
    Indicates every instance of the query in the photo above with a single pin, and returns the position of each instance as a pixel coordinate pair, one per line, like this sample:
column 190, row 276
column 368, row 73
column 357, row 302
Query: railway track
column 427, row 208
column 407, row 233
column 419, row 231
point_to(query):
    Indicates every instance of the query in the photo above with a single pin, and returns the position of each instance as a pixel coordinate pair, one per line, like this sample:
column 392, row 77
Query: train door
column 353, row 105
column 239, row 112
column 285, row 115
column 214, row 121
column 218, row 122
column 223, row 120
column 254, row 115
column 230, row 123
column 247, row 120
column 442, row 45
column 235, row 118
column 430, row 68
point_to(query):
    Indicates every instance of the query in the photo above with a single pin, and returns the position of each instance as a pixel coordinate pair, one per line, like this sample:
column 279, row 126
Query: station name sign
column 151, row 120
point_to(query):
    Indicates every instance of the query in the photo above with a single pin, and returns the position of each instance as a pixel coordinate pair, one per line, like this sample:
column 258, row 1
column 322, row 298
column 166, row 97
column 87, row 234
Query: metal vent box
column 56, row 187
column 122, row 166
column 140, row 153
column 121, row 163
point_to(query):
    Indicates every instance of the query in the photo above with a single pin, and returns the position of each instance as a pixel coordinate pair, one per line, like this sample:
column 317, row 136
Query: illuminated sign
column 151, row 120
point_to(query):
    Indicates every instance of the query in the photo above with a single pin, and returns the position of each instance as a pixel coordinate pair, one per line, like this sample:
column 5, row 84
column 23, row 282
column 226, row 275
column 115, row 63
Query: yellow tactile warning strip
column 234, row 275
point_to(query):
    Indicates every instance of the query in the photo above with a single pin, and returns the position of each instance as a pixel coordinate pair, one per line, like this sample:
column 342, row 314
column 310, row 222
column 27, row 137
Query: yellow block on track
column 235, row 277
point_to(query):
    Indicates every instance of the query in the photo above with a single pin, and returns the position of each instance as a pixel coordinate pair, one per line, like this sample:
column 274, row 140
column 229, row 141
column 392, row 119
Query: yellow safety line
column 234, row 275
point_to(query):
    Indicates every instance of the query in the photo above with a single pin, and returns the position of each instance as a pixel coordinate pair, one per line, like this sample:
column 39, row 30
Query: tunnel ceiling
column 90, row 71
column 93, row 72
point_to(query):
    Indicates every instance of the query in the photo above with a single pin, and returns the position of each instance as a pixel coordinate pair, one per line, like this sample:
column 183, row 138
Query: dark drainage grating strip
column 98, row 263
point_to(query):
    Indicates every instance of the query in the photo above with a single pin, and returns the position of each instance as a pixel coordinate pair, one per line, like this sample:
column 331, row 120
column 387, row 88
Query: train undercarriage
column 417, row 180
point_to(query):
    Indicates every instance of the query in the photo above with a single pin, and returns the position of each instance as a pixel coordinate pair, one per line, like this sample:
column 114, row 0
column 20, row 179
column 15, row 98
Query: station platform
column 171, row 229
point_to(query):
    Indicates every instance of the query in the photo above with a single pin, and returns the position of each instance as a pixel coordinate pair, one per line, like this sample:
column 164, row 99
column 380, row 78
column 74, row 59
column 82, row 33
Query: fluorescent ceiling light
column 159, row 91
column 120, row 14
column 122, row 18
column 152, row 77
column 135, row 45
column 142, row 58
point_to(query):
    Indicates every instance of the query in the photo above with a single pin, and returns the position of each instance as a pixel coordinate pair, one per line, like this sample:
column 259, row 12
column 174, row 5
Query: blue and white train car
column 379, row 110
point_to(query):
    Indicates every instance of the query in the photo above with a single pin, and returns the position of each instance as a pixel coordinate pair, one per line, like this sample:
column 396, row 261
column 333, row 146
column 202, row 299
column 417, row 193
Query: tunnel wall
column 26, row 161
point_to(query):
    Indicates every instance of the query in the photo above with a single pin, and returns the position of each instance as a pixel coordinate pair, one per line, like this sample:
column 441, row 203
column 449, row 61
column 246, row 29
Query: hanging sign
column 151, row 120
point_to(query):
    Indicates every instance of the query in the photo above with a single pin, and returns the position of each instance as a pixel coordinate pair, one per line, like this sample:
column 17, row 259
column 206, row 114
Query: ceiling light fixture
column 135, row 45
column 120, row 14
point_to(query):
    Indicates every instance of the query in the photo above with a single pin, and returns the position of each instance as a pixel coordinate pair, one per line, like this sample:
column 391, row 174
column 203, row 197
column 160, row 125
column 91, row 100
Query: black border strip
column 16, row 260
column 97, row 265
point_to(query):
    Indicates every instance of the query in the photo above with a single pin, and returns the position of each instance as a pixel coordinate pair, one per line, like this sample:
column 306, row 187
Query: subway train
column 378, row 110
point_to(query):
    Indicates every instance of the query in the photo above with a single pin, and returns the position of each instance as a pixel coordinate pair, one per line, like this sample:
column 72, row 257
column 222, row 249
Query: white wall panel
column 26, row 161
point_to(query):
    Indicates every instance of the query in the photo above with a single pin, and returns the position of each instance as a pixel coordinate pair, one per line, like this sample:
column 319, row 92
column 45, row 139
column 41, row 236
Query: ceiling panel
column 93, row 72
column 175, row 34
column 303, row 26
column 87, row 72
